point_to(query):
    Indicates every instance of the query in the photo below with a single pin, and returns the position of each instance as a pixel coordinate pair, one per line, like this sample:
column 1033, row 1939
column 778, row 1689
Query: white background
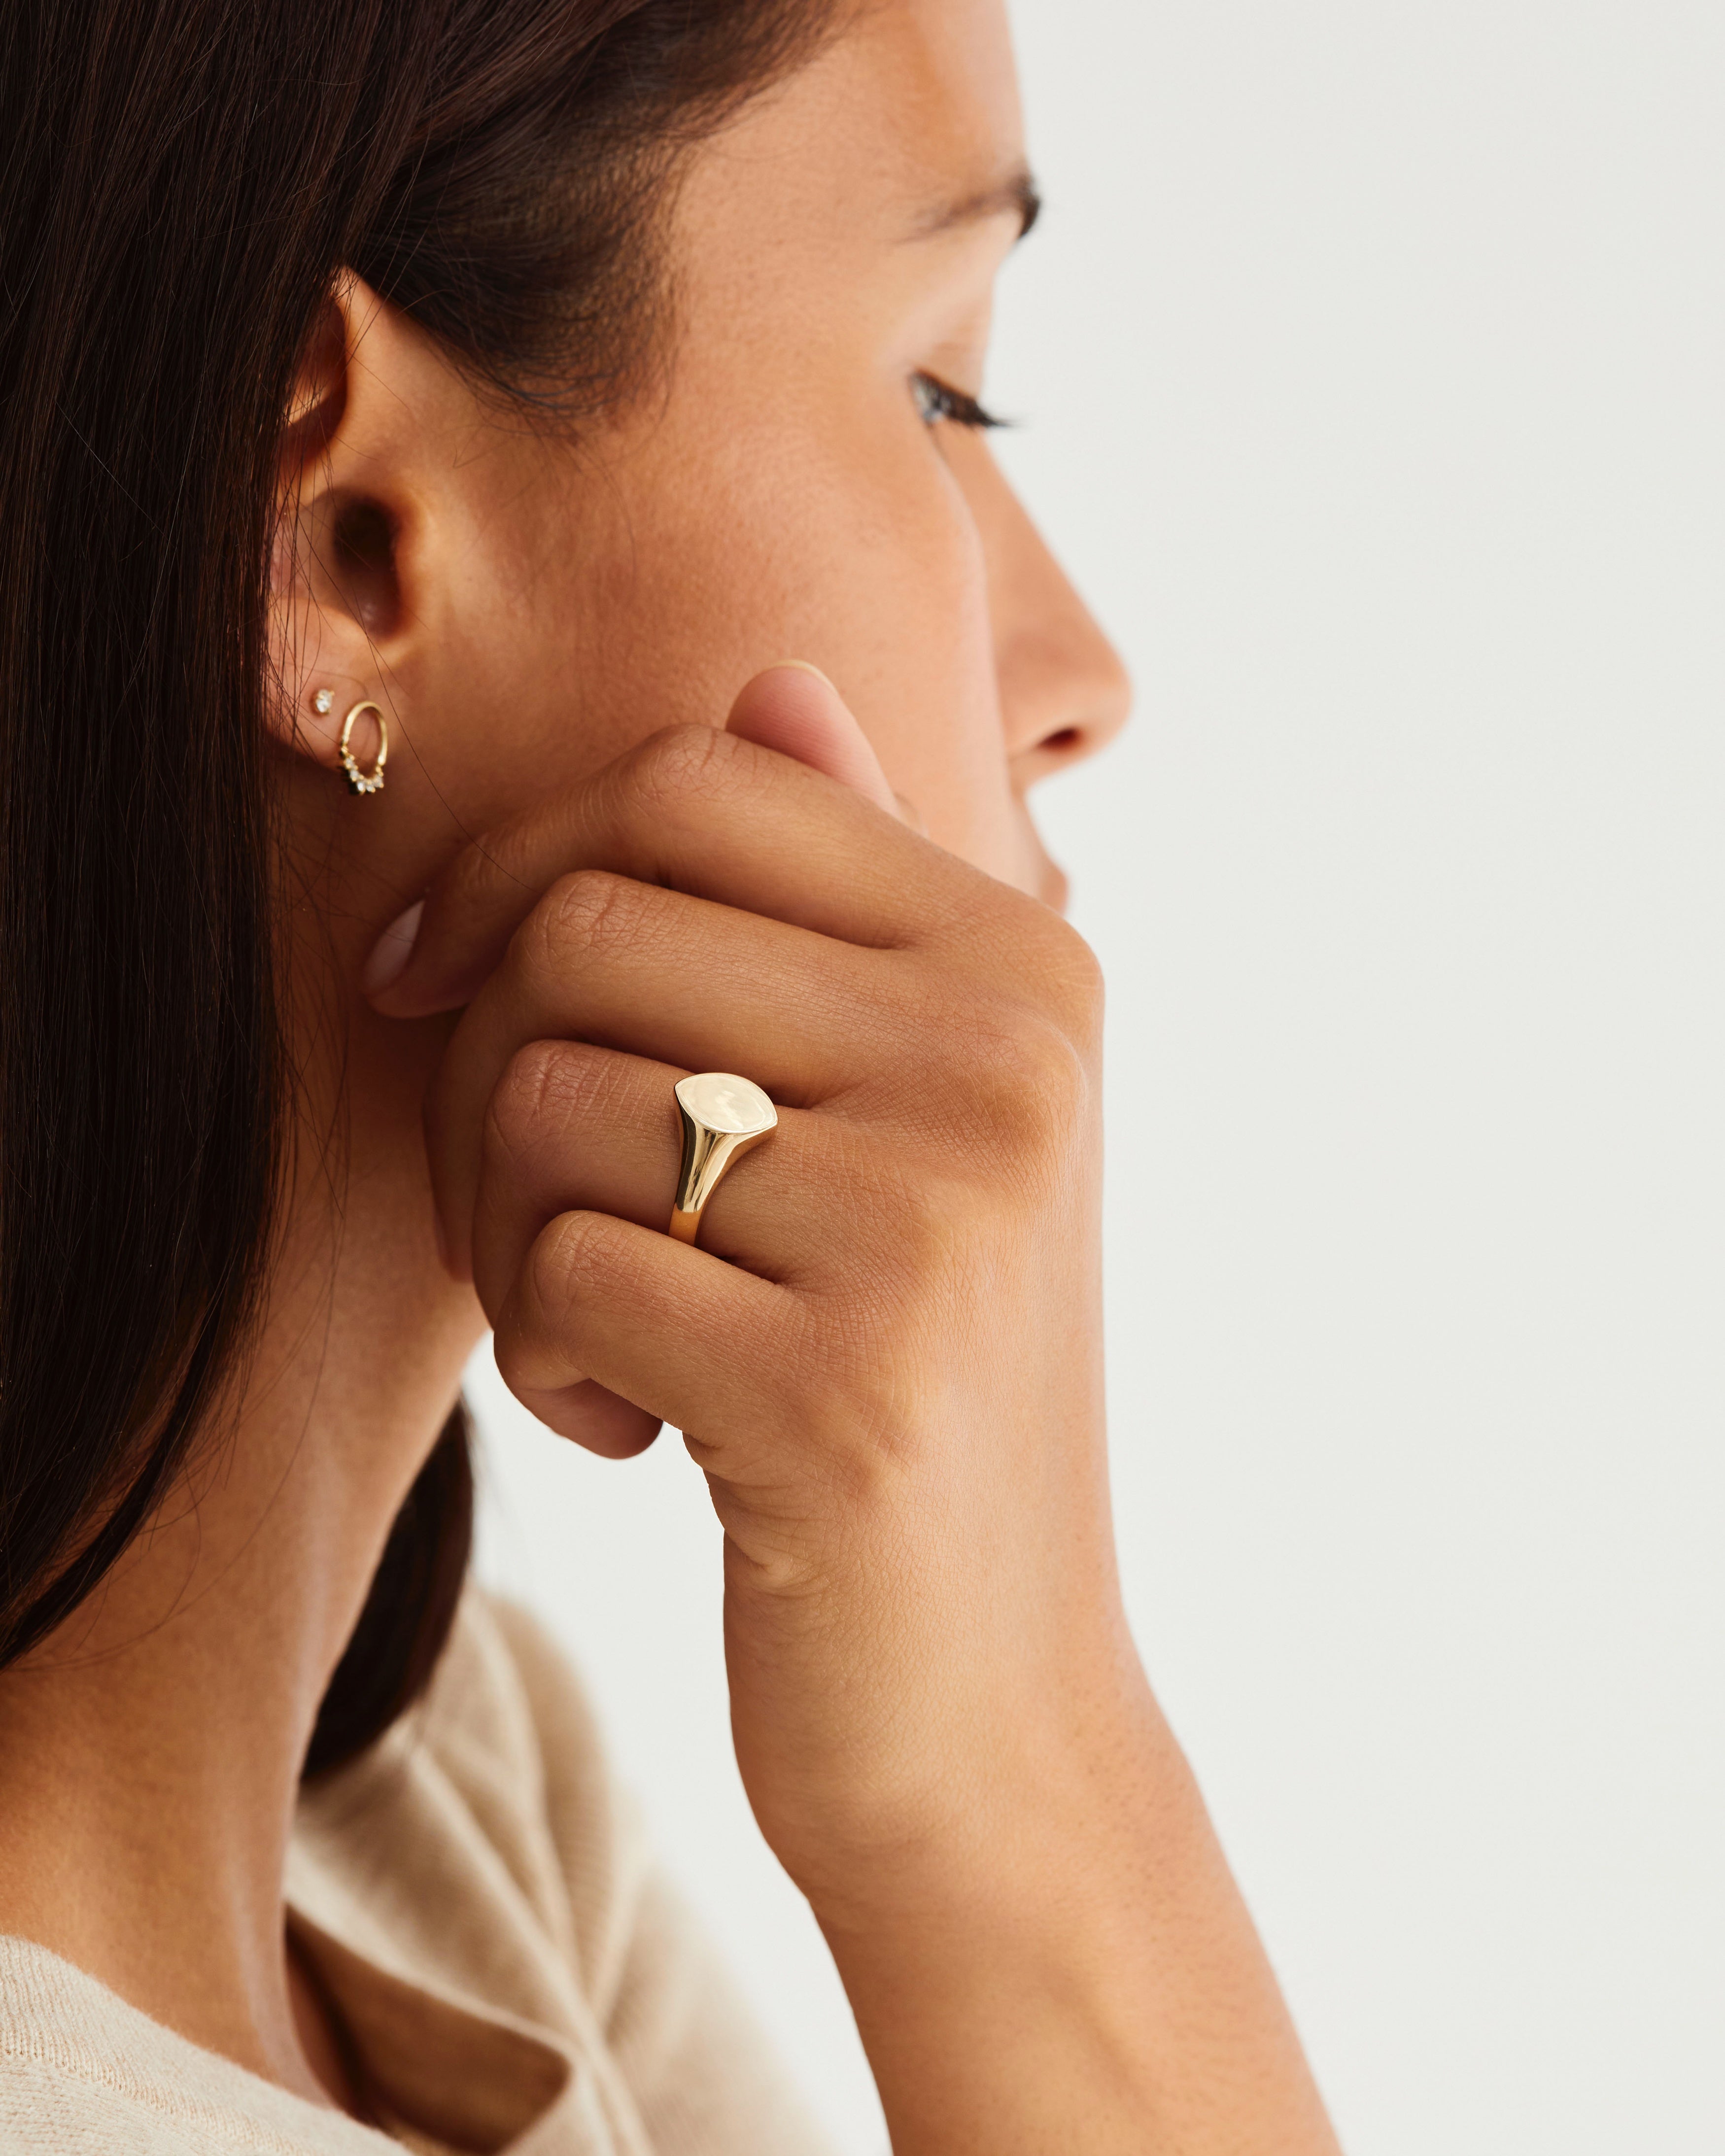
column 1373, row 354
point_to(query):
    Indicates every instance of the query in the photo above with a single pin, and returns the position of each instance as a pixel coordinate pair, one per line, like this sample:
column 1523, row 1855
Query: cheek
column 926, row 691
column 606, row 597
column 861, row 558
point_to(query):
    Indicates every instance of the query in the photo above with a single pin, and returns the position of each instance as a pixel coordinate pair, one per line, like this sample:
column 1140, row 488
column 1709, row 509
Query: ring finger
column 576, row 1128
column 682, row 980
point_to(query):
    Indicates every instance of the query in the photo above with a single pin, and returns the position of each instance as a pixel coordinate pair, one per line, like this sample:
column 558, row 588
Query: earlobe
column 340, row 727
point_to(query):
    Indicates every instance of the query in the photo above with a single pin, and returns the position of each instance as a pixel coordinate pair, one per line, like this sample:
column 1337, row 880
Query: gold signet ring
column 723, row 1118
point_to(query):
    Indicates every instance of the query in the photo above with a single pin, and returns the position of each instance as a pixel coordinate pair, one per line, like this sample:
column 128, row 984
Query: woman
column 426, row 423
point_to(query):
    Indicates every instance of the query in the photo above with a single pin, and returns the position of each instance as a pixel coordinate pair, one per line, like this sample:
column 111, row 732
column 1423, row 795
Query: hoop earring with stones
column 359, row 781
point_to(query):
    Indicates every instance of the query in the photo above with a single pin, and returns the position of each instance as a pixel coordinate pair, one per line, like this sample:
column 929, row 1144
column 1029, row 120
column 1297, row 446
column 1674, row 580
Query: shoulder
column 512, row 1723
column 484, row 1849
column 81, row 2070
column 506, row 1694
column 491, row 1801
column 505, row 1704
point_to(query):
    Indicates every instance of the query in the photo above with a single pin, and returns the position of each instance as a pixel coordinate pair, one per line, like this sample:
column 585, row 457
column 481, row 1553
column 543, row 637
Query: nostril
column 1067, row 737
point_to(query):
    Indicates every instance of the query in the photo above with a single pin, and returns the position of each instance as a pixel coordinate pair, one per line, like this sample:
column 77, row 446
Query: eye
column 938, row 400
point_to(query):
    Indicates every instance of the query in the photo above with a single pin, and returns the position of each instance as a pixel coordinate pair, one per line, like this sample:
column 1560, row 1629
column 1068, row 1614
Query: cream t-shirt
column 510, row 1970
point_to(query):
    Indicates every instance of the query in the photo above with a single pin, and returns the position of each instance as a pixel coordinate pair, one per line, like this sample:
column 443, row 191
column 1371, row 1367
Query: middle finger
column 678, row 980
column 574, row 1128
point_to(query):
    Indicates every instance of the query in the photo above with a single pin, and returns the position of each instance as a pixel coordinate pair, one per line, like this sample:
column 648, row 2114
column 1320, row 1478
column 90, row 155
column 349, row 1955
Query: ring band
column 723, row 1118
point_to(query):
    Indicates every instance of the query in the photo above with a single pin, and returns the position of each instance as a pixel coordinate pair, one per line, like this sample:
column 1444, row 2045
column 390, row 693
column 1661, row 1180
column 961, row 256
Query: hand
column 885, row 1355
column 885, row 1352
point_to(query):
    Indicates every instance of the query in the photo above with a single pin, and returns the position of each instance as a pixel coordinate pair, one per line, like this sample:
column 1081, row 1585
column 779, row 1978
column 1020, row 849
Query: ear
column 354, row 515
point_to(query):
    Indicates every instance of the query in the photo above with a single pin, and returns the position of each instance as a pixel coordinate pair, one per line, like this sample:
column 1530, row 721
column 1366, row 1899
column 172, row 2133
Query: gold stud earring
column 359, row 781
column 324, row 702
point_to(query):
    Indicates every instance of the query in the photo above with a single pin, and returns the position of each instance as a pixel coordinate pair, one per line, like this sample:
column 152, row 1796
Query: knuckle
column 535, row 1343
column 1065, row 974
column 581, row 915
column 1079, row 983
column 550, row 1092
column 1056, row 1080
column 556, row 1263
column 681, row 765
column 927, row 1240
column 536, row 1081
column 1033, row 1078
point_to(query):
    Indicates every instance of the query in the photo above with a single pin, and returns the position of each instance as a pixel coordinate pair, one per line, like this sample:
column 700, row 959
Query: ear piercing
column 359, row 781
column 323, row 702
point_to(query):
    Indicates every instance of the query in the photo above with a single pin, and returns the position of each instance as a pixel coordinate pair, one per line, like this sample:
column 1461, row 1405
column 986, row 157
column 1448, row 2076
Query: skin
column 895, row 1384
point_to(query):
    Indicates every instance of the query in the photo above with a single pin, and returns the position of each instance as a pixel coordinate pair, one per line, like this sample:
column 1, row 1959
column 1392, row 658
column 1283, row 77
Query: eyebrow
column 1017, row 195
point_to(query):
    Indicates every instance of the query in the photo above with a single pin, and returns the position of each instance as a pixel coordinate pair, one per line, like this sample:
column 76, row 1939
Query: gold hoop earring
column 359, row 781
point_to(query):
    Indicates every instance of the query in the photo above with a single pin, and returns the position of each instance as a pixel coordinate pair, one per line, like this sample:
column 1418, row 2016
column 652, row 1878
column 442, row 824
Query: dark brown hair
column 180, row 180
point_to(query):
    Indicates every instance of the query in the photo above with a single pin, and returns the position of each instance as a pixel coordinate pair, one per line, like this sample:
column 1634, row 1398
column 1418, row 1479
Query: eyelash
column 938, row 400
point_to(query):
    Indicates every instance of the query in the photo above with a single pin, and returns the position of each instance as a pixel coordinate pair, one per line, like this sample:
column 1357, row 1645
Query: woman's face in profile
column 804, row 478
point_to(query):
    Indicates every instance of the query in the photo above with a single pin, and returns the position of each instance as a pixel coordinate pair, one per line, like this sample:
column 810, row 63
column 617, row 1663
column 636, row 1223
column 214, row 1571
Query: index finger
column 703, row 812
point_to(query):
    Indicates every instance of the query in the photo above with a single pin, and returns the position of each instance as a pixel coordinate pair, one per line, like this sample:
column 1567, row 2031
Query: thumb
column 795, row 709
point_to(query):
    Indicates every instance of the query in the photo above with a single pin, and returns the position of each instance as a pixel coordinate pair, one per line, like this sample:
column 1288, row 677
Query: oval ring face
column 721, row 1102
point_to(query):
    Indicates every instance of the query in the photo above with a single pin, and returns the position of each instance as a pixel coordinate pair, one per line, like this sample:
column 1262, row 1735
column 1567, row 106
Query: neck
column 150, row 1751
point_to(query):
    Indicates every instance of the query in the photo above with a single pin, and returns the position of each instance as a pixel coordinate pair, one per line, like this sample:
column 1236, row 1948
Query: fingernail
column 391, row 951
column 805, row 666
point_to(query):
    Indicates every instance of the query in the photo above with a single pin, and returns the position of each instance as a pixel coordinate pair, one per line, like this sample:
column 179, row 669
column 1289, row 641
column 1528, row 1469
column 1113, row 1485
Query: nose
column 1064, row 690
